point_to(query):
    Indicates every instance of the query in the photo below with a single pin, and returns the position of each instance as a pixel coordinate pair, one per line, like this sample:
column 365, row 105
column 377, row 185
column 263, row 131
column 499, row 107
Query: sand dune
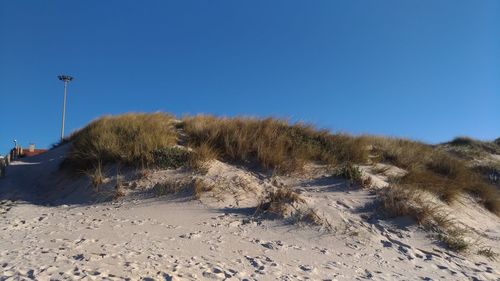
column 45, row 234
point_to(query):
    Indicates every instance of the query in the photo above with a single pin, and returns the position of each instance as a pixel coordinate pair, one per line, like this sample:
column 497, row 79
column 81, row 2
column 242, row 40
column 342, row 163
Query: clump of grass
column 142, row 173
column 96, row 176
column 413, row 202
column 170, row 157
column 169, row 187
column 353, row 174
column 283, row 202
column 273, row 143
column 454, row 241
column 280, row 201
column 119, row 191
column 198, row 159
column 488, row 252
column 311, row 216
column 200, row 187
column 350, row 172
column 128, row 139
column 119, row 186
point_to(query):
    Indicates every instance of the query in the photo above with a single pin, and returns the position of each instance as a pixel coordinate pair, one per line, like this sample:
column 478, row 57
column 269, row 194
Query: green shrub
column 170, row 157
column 454, row 241
column 350, row 172
column 168, row 187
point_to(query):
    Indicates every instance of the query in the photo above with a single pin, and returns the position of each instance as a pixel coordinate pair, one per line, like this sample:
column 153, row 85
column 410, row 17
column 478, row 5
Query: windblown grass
column 129, row 139
column 418, row 204
column 143, row 140
column 273, row 143
column 434, row 170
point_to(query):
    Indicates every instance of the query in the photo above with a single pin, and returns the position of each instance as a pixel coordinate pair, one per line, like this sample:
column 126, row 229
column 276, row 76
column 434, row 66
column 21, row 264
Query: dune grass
column 418, row 203
column 434, row 170
column 273, row 143
column 144, row 140
column 130, row 139
column 473, row 146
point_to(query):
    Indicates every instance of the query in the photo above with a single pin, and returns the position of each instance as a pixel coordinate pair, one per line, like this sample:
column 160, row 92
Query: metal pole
column 65, row 79
column 64, row 110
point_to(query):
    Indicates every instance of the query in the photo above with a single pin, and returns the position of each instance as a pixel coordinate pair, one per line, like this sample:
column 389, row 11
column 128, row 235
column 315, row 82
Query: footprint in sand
column 191, row 235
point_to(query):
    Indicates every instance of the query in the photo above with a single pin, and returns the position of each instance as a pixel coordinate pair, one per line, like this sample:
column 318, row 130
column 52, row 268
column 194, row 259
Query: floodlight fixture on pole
column 66, row 79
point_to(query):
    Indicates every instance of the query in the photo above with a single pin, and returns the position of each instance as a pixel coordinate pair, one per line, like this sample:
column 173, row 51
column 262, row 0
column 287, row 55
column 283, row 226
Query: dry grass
column 96, row 176
column 119, row 186
column 478, row 155
column 145, row 140
column 455, row 241
column 416, row 203
column 434, row 170
column 200, row 187
column 283, row 202
column 119, row 191
column 198, row 158
column 129, row 139
column 280, row 202
column 310, row 216
column 464, row 147
column 488, row 252
column 169, row 187
column 273, row 143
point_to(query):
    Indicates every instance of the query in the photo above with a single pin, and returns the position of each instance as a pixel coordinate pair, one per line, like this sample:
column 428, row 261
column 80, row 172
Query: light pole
column 65, row 79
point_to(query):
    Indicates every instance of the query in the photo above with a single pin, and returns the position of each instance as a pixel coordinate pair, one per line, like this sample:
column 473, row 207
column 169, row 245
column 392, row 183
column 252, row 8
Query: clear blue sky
column 427, row 70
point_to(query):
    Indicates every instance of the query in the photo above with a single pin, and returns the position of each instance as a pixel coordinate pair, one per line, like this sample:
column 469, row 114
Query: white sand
column 168, row 238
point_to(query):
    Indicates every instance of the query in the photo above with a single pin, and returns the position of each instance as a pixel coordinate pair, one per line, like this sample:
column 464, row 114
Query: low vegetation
column 96, row 176
column 455, row 241
column 170, row 157
column 129, row 139
column 465, row 147
column 273, row 143
column 483, row 157
column 170, row 187
column 433, row 170
column 353, row 174
column 403, row 201
column 281, row 202
column 488, row 252
column 150, row 140
column 418, row 204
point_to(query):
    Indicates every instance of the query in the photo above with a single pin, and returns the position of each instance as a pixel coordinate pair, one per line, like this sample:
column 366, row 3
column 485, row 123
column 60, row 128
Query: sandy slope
column 179, row 238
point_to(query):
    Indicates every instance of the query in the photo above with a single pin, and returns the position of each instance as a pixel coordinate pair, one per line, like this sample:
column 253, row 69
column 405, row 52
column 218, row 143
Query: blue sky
column 427, row 70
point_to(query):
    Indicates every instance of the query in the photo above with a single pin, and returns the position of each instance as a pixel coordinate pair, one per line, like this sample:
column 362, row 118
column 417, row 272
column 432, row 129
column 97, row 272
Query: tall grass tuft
column 129, row 139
